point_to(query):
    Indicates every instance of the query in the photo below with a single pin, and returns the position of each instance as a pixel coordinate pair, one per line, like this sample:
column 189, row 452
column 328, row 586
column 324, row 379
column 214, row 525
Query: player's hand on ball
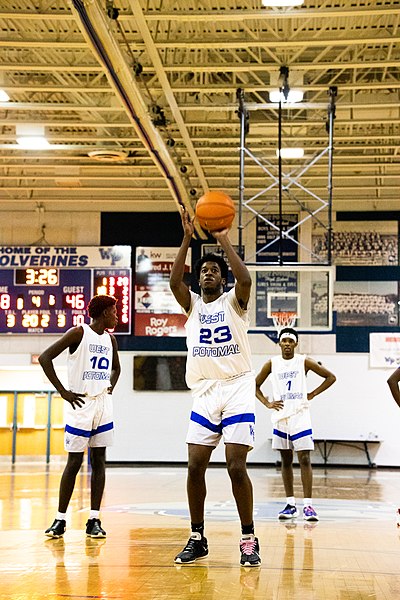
column 220, row 234
column 187, row 222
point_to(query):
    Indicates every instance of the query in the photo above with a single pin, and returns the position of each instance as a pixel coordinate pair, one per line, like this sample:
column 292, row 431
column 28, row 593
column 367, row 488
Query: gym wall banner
column 267, row 239
column 384, row 350
column 157, row 313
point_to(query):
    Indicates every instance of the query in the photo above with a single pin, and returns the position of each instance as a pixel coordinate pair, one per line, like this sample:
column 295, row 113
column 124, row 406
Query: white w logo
column 110, row 254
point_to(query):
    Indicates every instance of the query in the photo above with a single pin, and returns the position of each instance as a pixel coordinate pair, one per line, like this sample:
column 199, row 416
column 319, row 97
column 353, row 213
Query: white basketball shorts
column 89, row 425
column 226, row 409
column 293, row 433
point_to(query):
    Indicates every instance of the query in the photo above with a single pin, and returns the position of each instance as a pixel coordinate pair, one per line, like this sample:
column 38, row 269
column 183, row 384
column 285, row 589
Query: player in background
column 292, row 429
column 219, row 373
column 93, row 370
column 393, row 383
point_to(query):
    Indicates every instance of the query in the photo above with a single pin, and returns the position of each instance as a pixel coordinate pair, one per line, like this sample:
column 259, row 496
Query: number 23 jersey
column 217, row 341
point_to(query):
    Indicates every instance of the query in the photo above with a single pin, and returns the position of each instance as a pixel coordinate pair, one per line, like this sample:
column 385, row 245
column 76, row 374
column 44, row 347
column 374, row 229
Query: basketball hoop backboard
column 299, row 296
column 283, row 308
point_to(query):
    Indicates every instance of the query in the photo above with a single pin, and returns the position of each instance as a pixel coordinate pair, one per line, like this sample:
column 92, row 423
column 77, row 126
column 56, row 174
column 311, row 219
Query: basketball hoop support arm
column 284, row 91
column 244, row 127
column 330, row 125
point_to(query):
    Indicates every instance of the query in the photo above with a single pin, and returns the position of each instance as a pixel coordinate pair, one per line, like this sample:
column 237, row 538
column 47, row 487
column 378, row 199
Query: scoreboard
column 50, row 292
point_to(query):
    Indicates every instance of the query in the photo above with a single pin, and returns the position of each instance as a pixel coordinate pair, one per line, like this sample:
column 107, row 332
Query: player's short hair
column 99, row 303
column 288, row 330
column 211, row 257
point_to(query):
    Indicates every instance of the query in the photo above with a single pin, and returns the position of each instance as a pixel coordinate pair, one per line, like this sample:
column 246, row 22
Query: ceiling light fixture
column 4, row 97
column 291, row 152
column 31, row 137
column 277, row 3
column 35, row 142
column 293, row 96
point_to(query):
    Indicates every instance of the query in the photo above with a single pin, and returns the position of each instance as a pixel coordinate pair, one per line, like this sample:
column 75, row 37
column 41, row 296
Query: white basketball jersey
column 89, row 367
column 288, row 378
column 217, row 341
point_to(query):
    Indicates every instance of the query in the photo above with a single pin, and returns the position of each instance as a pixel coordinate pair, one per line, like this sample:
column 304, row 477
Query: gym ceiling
column 138, row 101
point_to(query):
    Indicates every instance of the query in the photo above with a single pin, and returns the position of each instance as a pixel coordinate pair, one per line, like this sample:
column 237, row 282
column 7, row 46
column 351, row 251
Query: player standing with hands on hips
column 291, row 419
column 93, row 371
column 219, row 373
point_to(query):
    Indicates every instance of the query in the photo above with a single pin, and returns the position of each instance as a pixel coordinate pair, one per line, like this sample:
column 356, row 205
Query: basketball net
column 283, row 319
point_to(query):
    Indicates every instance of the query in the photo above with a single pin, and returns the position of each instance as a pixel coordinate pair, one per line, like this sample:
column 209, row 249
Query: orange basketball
column 215, row 210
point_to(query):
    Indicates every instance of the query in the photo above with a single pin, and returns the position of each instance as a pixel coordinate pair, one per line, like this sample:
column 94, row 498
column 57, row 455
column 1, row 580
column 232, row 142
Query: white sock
column 290, row 500
column 61, row 516
column 94, row 514
column 307, row 502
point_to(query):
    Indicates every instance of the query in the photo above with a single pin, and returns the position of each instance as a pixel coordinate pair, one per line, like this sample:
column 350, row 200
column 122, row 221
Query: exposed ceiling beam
column 95, row 28
column 59, row 106
column 217, row 42
column 245, row 14
column 202, row 67
column 70, row 107
column 168, row 92
column 222, row 124
column 224, row 14
column 221, row 88
column 287, row 107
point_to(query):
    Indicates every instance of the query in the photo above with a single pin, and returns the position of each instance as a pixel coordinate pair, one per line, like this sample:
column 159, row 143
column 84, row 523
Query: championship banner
column 157, row 313
column 384, row 350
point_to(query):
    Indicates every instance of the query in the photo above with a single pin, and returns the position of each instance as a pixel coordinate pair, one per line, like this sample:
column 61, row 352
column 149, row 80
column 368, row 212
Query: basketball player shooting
column 291, row 419
column 219, row 373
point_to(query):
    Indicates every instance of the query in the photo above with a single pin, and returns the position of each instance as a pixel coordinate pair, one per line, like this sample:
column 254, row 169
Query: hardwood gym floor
column 353, row 553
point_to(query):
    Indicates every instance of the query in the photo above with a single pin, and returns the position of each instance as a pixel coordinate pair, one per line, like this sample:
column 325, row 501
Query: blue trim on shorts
column 296, row 436
column 301, row 434
column 280, row 434
column 243, row 418
column 88, row 434
column 102, row 428
column 205, row 422
column 76, row 431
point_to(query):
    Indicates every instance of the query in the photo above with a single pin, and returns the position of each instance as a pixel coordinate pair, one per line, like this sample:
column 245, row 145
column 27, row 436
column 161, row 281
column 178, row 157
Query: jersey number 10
column 102, row 364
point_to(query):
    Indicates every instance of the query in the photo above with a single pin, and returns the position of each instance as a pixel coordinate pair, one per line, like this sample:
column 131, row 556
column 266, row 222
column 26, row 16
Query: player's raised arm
column 239, row 269
column 393, row 383
column 176, row 283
